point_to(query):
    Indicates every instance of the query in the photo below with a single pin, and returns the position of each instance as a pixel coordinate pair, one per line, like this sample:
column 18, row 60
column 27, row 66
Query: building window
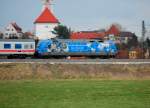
column 7, row 46
column 20, row 35
column 18, row 46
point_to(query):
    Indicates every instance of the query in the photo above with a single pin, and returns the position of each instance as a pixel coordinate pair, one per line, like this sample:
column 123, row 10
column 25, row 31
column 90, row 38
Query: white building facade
column 45, row 30
column 13, row 31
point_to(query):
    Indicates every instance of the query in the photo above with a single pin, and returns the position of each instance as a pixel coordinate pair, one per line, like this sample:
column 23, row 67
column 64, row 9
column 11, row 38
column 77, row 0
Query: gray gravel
column 81, row 61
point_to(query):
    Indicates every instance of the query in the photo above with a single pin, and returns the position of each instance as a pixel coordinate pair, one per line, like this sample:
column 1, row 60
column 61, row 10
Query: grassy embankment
column 74, row 94
column 16, row 71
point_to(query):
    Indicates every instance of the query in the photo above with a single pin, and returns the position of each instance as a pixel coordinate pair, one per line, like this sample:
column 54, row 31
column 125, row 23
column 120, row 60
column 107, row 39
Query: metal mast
column 143, row 31
column 47, row 3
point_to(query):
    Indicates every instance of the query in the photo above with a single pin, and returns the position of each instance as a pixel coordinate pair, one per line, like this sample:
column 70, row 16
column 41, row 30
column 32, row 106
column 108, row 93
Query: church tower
column 46, row 22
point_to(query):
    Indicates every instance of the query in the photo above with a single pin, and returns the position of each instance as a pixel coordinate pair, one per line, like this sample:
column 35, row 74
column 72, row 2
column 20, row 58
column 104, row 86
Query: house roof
column 126, row 34
column 18, row 29
column 113, row 30
column 87, row 35
column 46, row 17
column 29, row 33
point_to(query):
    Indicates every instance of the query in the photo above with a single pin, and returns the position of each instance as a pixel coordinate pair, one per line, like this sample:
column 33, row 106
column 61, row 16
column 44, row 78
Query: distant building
column 28, row 35
column 88, row 35
column 45, row 23
column 113, row 30
column 13, row 31
column 124, row 36
column 115, row 33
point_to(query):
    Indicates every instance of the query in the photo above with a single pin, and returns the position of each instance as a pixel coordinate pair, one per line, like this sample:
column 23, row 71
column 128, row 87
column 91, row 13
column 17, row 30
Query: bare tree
column 1, row 35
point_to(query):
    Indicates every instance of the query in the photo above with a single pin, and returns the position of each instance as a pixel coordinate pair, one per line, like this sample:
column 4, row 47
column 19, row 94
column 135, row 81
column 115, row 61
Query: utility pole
column 143, row 30
column 143, row 37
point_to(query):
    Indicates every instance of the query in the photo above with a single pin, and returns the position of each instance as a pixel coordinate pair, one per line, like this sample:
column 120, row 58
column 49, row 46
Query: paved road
column 81, row 61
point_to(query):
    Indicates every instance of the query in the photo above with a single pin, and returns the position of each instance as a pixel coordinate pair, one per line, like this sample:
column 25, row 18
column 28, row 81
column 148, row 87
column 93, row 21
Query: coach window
column 31, row 46
column 18, row 46
column 7, row 46
column 26, row 46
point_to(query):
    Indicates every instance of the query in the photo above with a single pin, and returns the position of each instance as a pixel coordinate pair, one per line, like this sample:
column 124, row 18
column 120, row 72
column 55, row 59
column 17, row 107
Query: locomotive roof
column 78, row 40
column 17, row 40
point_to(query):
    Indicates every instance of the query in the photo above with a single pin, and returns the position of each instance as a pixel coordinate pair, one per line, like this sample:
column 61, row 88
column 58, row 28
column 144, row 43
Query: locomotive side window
column 18, row 46
column 7, row 46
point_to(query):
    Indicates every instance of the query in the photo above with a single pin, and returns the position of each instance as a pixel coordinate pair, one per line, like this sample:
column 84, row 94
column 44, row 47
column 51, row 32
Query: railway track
column 79, row 61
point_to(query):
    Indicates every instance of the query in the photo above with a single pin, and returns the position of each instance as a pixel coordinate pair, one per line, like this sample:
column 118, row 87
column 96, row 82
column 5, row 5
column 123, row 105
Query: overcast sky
column 79, row 14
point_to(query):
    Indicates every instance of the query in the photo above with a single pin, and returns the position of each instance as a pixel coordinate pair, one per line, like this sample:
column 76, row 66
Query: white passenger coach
column 17, row 47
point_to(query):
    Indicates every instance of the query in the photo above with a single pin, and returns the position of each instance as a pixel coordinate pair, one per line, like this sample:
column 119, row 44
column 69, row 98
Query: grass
column 17, row 71
column 74, row 94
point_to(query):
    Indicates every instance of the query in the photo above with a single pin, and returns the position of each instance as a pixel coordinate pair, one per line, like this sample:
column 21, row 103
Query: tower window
column 46, row 26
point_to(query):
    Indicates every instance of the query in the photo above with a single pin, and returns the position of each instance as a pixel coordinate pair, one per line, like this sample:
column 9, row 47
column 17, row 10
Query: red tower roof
column 46, row 17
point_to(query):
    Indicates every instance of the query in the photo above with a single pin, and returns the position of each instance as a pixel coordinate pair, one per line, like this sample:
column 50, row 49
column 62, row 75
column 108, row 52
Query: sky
column 79, row 14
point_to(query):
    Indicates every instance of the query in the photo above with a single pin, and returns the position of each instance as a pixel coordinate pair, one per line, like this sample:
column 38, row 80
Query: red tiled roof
column 29, row 33
column 46, row 17
column 126, row 34
column 113, row 30
column 87, row 35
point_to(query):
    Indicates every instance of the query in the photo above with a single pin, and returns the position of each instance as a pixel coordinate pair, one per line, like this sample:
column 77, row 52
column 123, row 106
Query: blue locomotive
column 68, row 47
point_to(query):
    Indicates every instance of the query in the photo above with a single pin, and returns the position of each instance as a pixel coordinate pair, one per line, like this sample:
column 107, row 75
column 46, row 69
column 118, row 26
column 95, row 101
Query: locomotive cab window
column 7, row 46
column 18, row 46
column 92, row 41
